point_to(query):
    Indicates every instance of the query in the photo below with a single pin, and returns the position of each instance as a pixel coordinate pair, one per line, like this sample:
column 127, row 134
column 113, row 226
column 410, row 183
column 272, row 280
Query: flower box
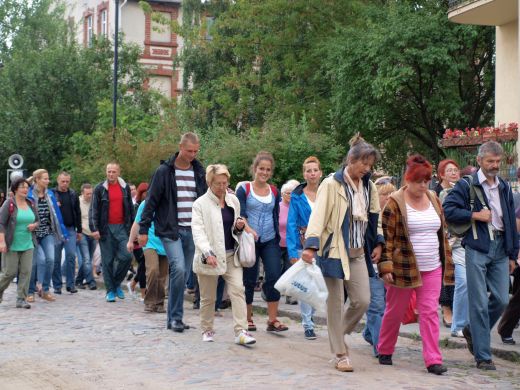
column 476, row 136
column 461, row 141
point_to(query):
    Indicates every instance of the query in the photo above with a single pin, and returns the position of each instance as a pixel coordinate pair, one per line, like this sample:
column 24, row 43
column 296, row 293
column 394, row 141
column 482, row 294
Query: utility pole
column 116, row 61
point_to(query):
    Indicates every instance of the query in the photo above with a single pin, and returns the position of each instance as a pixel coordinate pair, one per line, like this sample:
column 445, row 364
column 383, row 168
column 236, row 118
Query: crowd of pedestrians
column 383, row 251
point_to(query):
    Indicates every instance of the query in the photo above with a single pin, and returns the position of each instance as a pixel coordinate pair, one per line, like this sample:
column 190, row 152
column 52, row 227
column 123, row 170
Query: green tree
column 407, row 73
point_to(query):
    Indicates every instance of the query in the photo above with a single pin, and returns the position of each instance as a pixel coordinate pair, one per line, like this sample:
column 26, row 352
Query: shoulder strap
column 11, row 207
column 273, row 190
column 248, row 188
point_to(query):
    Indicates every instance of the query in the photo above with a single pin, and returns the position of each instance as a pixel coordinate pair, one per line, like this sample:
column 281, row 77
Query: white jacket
column 208, row 232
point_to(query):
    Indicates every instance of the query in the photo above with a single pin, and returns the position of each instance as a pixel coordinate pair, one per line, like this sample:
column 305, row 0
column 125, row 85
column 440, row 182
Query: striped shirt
column 186, row 194
column 423, row 227
column 44, row 213
column 357, row 228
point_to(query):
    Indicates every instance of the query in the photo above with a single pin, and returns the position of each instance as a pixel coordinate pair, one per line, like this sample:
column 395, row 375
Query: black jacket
column 76, row 210
column 161, row 201
column 98, row 212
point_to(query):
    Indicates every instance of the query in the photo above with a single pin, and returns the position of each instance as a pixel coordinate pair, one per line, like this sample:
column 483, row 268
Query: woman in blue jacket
column 300, row 208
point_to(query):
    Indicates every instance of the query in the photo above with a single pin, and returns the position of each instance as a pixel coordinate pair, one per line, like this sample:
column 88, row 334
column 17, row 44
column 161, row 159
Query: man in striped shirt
column 174, row 187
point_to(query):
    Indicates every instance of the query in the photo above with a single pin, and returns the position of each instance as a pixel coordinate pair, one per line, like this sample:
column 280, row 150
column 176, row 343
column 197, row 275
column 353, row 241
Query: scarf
column 359, row 212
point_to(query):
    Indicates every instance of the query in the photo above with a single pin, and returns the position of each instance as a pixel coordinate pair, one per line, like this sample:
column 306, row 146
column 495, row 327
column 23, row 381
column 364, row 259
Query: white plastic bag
column 246, row 250
column 304, row 282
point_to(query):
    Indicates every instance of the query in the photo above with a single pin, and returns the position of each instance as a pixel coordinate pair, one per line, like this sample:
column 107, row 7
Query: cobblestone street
column 81, row 342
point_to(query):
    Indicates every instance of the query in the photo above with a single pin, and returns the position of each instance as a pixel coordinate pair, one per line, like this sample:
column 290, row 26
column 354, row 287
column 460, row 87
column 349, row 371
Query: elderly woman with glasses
column 216, row 224
column 449, row 173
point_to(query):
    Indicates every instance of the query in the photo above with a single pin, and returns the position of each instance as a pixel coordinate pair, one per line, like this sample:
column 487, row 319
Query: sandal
column 251, row 327
column 276, row 326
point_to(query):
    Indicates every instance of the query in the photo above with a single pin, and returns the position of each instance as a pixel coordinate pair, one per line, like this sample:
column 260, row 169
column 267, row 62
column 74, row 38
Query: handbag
column 246, row 250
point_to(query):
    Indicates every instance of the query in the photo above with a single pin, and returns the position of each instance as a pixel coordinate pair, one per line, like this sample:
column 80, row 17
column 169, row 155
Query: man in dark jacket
column 111, row 215
column 174, row 187
column 68, row 201
column 491, row 246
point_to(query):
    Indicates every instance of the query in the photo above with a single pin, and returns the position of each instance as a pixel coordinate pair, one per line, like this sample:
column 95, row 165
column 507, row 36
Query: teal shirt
column 154, row 242
column 22, row 239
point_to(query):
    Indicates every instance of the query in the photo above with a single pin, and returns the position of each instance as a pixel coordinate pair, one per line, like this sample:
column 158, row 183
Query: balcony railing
column 452, row 4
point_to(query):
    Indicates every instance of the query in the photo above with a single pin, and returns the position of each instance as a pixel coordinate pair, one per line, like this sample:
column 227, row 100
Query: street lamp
column 116, row 60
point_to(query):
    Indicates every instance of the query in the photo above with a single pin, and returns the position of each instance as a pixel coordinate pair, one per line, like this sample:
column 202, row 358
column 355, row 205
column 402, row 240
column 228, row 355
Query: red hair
column 418, row 169
column 141, row 189
column 441, row 168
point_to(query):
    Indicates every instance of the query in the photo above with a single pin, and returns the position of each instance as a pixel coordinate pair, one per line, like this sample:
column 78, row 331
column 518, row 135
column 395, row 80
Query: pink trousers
column 397, row 300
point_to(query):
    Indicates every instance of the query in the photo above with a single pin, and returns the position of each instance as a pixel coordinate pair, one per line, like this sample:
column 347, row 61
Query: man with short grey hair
column 491, row 246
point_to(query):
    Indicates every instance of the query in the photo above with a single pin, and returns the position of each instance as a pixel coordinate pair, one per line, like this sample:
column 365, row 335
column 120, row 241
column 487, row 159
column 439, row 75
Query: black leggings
column 140, row 276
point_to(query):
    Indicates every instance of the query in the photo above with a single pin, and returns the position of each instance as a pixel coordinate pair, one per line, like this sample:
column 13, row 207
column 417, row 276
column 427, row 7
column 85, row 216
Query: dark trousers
column 511, row 316
column 140, row 276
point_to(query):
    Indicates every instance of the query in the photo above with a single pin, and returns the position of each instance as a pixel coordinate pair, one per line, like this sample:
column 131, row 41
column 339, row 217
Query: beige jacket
column 327, row 218
column 208, row 232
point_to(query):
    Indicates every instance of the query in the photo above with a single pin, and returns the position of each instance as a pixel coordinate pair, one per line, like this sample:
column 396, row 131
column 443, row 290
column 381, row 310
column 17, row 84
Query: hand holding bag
column 246, row 250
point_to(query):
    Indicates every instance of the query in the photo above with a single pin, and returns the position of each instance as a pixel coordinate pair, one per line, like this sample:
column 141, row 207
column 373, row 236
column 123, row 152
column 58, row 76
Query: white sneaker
column 244, row 338
column 457, row 333
column 208, row 336
column 132, row 293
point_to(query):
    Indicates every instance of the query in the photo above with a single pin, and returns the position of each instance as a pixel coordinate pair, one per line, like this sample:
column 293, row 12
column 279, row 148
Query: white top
column 423, row 227
column 493, row 198
column 311, row 203
column 263, row 199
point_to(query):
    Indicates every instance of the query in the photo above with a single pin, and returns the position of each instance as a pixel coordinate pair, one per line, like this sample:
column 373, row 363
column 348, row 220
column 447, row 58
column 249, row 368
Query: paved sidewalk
column 82, row 342
column 508, row 352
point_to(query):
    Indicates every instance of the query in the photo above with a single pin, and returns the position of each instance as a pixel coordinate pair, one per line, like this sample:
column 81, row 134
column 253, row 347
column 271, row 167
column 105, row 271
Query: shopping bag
column 246, row 250
column 411, row 316
column 304, row 282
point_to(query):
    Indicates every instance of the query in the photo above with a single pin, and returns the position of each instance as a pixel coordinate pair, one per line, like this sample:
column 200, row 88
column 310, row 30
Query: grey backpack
column 460, row 229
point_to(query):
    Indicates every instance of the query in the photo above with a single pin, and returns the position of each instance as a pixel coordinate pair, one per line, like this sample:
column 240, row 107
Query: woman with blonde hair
column 51, row 228
column 342, row 231
column 216, row 224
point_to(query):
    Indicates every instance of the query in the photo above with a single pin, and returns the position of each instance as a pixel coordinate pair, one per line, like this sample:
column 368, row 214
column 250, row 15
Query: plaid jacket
column 398, row 256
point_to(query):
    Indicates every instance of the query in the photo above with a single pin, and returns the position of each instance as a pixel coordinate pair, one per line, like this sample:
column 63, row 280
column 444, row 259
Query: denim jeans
column 271, row 256
column 43, row 262
column 375, row 312
column 70, row 260
column 180, row 258
column 115, row 258
column 307, row 312
column 460, row 299
column 86, row 247
column 491, row 270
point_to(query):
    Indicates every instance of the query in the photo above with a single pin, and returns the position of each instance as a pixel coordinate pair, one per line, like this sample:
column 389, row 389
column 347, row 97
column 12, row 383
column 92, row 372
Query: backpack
column 460, row 230
column 273, row 189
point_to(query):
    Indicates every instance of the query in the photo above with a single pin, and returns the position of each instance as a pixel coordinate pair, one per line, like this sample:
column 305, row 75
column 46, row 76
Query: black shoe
column 309, row 334
column 437, row 369
column 178, row 326
column 225, row 304
column 508, row 340
column 81, row 286
column 196, row 305
column 72, row 290
column 92, row 287
column 487, row 365
column 57, row 291
column 385, row 360
column 22, row 304
column 467, row 335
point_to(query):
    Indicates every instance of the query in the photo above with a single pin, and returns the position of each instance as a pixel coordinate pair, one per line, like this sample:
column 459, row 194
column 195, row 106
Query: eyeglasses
column 452, row 170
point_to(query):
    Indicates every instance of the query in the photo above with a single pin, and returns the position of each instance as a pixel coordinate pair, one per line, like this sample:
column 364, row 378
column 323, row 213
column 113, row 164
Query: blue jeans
column 307, row 311
column 180, row 259
column 460, row 299
column 86, row 248
column 43, row 262
column 375, row 312
column 70, row 260
column 491, row 270
column 115, row 258
column 271, row 256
